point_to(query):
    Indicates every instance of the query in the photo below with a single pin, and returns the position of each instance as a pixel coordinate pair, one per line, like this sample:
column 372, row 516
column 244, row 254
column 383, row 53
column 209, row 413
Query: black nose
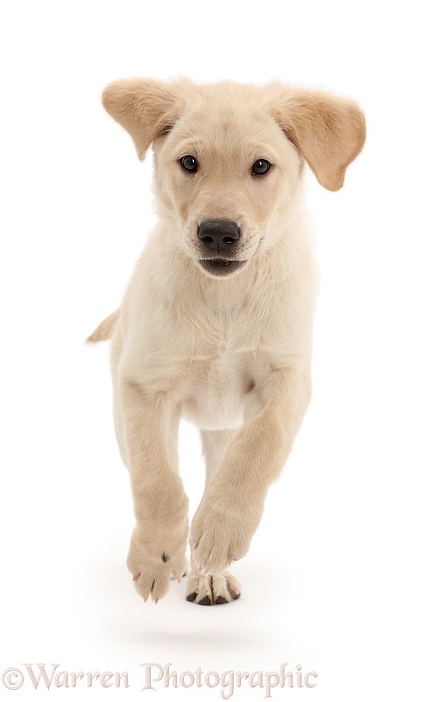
column 218, row 234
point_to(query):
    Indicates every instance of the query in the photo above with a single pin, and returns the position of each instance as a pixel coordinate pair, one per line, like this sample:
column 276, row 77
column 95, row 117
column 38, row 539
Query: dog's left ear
column 145, row 108
column 327, row 130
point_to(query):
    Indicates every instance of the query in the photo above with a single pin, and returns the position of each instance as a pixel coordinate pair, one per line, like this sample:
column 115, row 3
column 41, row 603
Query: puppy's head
column 229, row 157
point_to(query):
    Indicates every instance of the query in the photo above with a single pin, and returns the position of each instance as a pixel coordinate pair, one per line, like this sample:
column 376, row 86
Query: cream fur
column 231, row 354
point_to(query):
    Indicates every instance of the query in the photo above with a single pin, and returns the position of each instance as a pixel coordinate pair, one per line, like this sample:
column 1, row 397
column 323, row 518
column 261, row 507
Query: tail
column 105, row 329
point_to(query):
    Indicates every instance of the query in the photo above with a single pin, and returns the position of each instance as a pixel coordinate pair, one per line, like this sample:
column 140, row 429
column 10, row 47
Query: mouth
column 221, row 266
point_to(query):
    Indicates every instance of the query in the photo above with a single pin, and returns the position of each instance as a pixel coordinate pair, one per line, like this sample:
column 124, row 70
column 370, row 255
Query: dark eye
column 189, row 163
column 260, row 166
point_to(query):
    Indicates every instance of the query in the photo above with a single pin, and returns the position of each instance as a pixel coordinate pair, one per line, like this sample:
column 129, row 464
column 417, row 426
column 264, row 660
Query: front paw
column 157, row 558
column 221, row 533
column 212, row 589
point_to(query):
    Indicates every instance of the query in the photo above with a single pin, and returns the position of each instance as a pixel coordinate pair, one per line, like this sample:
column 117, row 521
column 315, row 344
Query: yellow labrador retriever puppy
column 216, row 324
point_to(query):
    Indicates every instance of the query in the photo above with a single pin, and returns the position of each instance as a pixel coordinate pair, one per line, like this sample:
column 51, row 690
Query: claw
column 221, row 600
column 205, row 601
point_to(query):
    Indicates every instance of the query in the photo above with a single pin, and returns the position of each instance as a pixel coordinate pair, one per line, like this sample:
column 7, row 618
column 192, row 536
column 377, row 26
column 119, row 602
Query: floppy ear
column 145, row 108
column 328, row 131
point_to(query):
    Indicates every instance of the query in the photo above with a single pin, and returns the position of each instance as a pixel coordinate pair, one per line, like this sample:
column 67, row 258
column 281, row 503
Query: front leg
column 158, row 546
column 234, row 501
column 224, row 587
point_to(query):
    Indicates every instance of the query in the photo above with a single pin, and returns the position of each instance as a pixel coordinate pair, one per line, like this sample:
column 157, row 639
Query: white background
column 341, row 574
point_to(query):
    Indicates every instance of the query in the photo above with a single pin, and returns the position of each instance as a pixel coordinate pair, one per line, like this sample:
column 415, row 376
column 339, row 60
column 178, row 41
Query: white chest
column 218, row 392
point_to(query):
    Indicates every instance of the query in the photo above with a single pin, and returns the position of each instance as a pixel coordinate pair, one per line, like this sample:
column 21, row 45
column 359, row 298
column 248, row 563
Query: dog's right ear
column 145, row 108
